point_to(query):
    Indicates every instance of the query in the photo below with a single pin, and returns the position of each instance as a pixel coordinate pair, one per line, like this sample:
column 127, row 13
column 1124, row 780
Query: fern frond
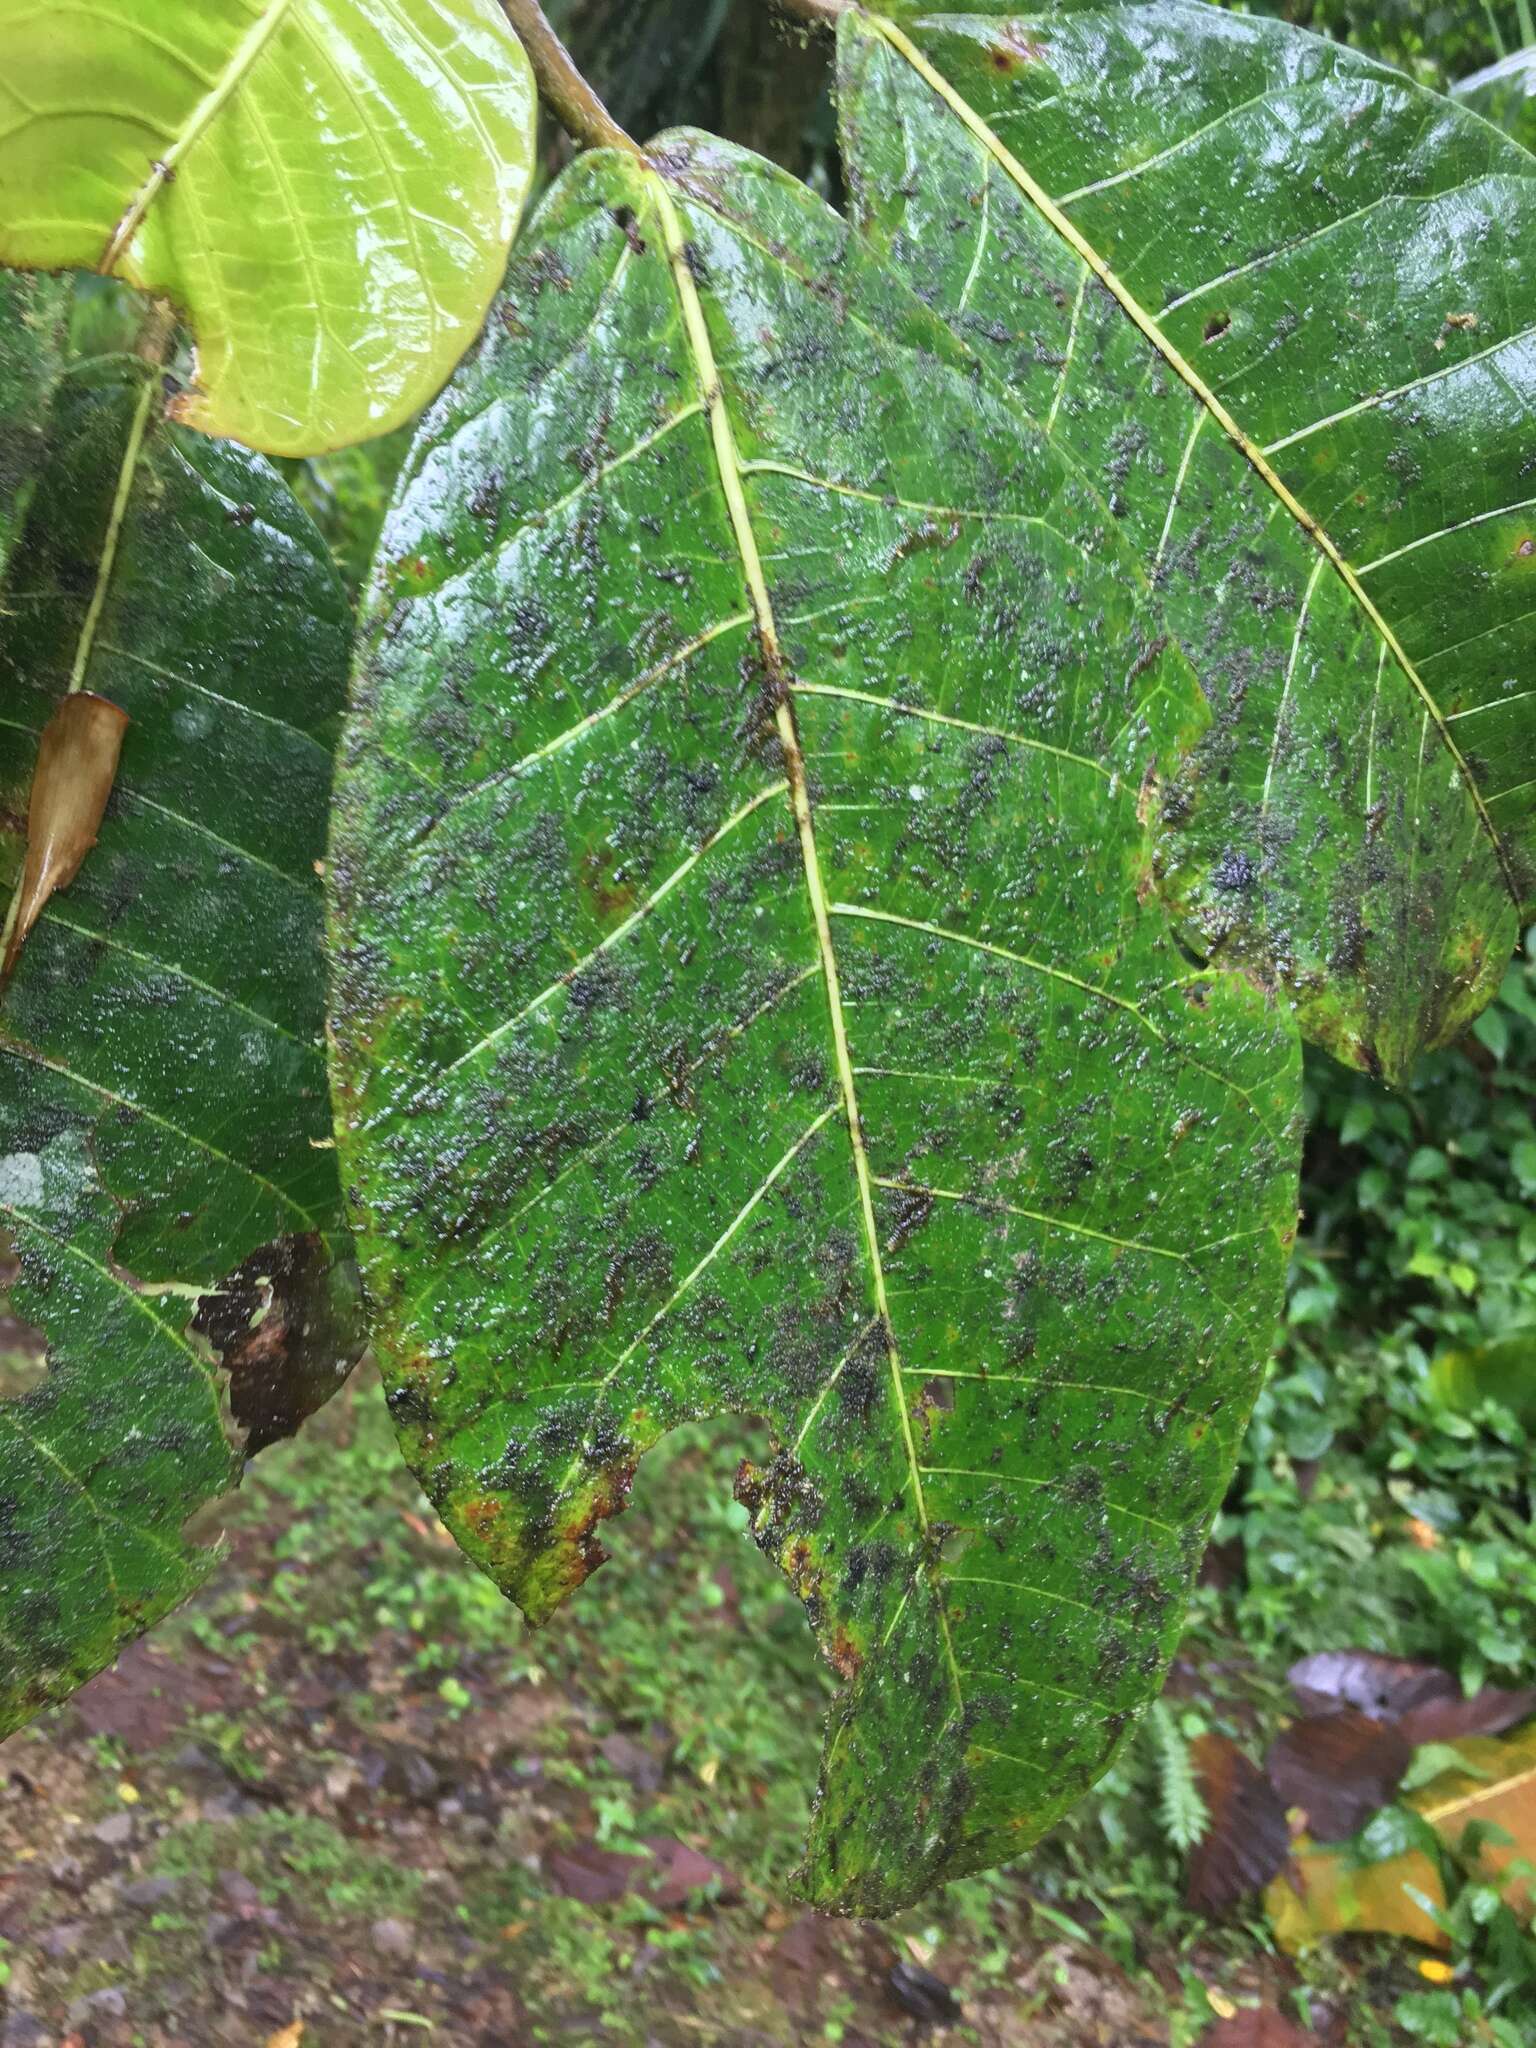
column 1184, row 1814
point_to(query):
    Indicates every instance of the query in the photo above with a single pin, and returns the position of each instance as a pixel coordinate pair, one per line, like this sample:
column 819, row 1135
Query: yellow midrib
column 241, row 59
column 1478, row 1796
column 1086, row 253
column 728, row 462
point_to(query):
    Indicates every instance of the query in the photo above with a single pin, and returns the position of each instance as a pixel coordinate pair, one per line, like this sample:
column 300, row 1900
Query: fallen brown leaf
column 926, row 1997
column 77, row 758
column 144, row 1699
column 1247, row 1839
column 681, row 1871
column 1327, row 1890
column 1338, row 1768
column 1488, row 1712
column 1423, row 1700
column 595, row 1876
column 1384, row 1687
column 1323, row 1891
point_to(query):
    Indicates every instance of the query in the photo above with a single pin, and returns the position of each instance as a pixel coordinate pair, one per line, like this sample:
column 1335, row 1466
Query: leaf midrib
column 730, row 468
column 1253, row 453
column 242, row 58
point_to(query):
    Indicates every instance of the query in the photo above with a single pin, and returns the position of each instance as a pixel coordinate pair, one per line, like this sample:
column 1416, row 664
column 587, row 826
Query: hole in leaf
column 281, row 1327
column 1217, row 326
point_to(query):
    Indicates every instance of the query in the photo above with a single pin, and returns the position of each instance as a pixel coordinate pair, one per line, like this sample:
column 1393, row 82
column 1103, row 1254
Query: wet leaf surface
column 325, row 189
column 1281, row 303
column 32, row 311
column 746, row 1000
column 1505, row 93
column 164, row 1108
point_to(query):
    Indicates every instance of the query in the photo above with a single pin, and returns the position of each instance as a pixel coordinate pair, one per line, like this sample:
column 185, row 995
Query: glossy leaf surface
column 1281, row 303
column 745, row 999
column 162, row 1084
column 326, row 189
column 31, row 339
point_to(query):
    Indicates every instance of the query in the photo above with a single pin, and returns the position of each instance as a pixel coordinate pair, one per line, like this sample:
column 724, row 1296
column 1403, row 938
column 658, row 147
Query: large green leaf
column 745, row 999
column 31, row 339
column 325, row 188
column 162, row 1087
column 1283, row 304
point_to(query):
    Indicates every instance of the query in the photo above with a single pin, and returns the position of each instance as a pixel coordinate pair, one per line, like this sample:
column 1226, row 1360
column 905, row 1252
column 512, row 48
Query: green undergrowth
column 686, row 1641
column 1384, row 1492
column 293, row 1860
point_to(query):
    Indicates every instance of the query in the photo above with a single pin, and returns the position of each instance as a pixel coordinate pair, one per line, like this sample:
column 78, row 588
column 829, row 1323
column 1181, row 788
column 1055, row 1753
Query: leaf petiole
column 580, row 111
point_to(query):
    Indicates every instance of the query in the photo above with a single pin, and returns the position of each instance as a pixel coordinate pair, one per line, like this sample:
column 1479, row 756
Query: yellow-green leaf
column 1337, row 1888
column 326, row 189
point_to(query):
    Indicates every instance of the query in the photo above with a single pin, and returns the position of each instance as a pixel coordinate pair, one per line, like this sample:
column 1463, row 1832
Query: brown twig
column 581, row 112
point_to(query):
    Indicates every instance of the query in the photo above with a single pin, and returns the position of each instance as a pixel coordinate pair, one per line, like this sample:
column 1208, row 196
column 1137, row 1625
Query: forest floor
column 345, row 1797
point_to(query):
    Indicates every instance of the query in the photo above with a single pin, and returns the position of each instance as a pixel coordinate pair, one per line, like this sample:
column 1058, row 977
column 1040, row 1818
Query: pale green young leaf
column 325, row 189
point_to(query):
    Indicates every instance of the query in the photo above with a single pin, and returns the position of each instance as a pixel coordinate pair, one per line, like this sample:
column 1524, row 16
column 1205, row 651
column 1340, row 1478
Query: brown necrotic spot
column 911, row 1208
column 624, row 217
column 286, row 1325
column 1012, row 50
column 844, row 1654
